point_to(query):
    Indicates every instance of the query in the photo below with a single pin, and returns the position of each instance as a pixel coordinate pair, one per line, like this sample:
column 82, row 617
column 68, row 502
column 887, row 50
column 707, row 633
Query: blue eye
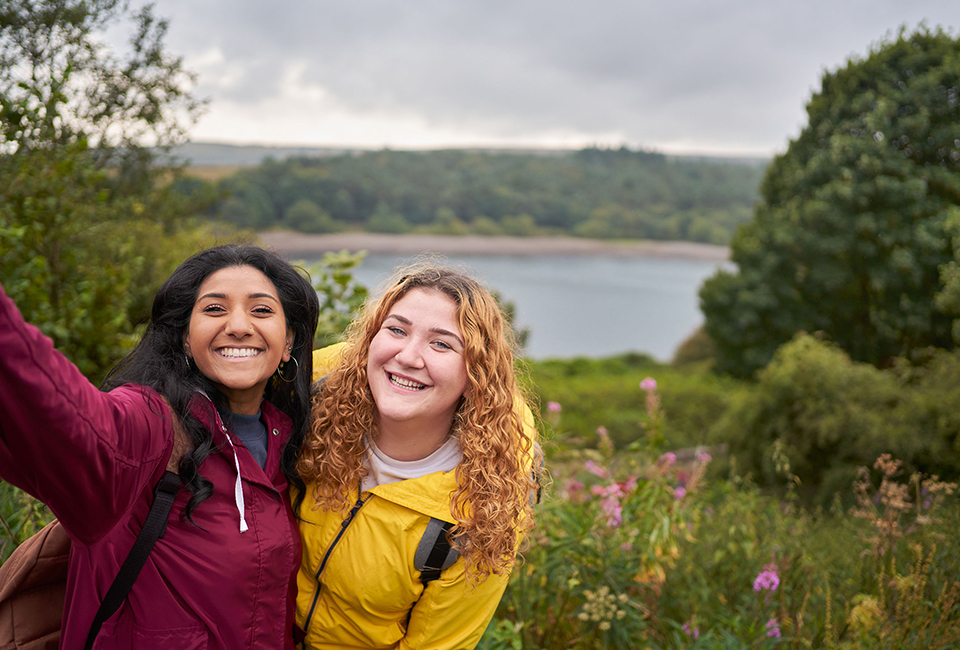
column 441, row 344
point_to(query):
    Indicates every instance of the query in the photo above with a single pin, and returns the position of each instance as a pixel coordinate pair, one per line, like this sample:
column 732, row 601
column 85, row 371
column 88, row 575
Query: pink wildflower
column 595, row 469
column 554, row 407
column 648, row 384
column 602, row 431
column 574, row 488
column 612, row 509
column 679, row 492
column 668, row 458
column 691, row 630
column 773, row 628
column 610, row 503
column 767, row 579
column 704, row 457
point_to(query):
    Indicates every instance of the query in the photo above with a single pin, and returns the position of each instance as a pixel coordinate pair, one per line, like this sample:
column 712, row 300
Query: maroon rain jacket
column 94, row 458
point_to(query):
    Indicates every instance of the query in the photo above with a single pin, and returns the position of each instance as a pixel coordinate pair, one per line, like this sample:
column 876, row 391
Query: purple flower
column 554, row 407
column 773, row 628
column 612, row 509
column 679, row 492
column 595, row 469
column 704, row 457
column 767, row 579
column 574, row 487
column 692, row 631
column 668, row 458
column 648, row 384
column 602, row 431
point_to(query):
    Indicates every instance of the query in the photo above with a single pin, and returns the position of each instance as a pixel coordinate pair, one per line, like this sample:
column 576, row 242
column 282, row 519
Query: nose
column 238, row 324
column 409, row 355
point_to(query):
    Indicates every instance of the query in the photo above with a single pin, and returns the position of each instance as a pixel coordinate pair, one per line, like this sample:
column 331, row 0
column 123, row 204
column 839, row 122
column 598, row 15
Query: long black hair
column 159, row 360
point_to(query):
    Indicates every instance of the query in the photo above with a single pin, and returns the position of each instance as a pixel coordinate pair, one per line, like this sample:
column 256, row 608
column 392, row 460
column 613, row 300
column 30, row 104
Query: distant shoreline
column 292, row 244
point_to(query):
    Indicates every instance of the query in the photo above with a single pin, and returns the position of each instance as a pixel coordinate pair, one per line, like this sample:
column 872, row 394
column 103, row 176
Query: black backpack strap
column 153, row 529
column 434, row 553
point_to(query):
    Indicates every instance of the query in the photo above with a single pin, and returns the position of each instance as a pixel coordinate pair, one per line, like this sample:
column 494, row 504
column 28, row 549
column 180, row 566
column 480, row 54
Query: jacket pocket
column 134, row 637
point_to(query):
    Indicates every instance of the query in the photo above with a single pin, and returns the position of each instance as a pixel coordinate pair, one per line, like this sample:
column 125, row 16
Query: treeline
column 599, row 193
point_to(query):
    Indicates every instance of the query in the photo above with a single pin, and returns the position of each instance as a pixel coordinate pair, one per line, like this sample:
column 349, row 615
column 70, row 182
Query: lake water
column 586, row 306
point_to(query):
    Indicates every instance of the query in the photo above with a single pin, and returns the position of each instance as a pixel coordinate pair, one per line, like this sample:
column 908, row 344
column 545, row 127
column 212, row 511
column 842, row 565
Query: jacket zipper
column 326, row 556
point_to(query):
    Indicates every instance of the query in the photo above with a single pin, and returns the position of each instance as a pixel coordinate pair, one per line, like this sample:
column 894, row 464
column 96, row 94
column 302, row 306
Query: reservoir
column 584, row 305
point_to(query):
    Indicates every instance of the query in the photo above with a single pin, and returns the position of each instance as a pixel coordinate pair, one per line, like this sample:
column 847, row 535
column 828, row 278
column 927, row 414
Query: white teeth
column 233, row 353
column 404, row 383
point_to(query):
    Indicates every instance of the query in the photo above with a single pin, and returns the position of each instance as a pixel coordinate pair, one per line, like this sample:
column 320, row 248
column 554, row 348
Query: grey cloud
column 734, row 72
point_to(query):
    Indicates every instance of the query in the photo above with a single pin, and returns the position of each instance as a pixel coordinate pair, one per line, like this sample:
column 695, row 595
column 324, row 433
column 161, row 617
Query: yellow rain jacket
column 357, row 582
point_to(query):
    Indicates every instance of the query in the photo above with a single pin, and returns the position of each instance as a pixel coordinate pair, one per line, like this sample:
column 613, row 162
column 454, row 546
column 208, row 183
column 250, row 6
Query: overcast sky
column 677, row 76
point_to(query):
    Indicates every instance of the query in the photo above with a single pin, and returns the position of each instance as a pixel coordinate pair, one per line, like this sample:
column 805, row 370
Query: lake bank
column 294, row 244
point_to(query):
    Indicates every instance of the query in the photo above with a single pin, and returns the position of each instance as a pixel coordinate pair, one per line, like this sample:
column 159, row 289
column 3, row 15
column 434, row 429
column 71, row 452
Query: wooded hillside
column 602, row 193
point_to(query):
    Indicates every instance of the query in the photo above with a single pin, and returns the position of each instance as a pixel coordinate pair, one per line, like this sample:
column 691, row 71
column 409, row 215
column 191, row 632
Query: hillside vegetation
column 597, row 193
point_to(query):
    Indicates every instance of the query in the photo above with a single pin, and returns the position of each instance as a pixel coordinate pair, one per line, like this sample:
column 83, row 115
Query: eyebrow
column 223, row 296
column 435, row 330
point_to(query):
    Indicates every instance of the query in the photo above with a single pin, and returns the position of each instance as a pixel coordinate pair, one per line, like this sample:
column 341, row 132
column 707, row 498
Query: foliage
column 341, row 296
column 948, row 300
column 696, row 348
column 823, row 413
column 592, row 193
column 850, row 232
column 60, row 84
column 78, row 190
column 820, row 414
column 737, row 569
column 20, row 517
column 603, row 392
column 601, row 550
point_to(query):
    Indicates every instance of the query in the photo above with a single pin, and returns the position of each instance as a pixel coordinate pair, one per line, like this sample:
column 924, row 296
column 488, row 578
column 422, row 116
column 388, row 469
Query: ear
column 288, row 345
column 186, row 344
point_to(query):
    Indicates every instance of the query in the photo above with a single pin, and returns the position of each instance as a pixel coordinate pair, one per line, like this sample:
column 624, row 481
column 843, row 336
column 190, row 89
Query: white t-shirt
column 383, row 469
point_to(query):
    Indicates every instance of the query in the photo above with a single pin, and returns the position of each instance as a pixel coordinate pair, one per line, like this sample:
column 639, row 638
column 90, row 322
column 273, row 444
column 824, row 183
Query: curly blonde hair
column 491, row 504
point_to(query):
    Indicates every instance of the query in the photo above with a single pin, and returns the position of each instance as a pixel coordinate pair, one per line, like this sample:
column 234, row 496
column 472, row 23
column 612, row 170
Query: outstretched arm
column 85, row 453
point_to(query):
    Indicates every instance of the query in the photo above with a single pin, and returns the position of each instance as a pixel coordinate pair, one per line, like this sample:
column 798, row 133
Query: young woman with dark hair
column 217, row 390
column 417, row 428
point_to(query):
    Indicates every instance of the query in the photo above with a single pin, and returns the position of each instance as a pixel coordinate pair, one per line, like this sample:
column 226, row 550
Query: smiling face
column 417, row 373
column 238, row 334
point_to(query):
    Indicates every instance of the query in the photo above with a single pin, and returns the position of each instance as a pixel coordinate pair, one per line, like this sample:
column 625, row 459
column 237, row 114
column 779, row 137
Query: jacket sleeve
column 453, row 613
column 87, row 454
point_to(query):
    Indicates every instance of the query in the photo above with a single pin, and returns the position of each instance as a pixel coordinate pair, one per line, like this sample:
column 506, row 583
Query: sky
column 712, row 77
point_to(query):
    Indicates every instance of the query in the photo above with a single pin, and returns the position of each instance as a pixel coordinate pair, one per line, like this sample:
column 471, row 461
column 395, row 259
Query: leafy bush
column 821, row 415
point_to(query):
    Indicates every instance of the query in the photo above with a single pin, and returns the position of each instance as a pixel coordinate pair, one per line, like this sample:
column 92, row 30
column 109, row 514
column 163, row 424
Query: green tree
column 850, row 232
column 307, row 216
column 88, row 224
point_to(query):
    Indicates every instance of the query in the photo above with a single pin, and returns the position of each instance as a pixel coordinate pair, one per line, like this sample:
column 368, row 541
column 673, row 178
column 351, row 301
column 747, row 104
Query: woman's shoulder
column 325, row 359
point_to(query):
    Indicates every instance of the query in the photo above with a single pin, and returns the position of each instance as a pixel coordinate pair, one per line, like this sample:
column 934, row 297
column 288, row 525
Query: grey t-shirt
column 252, row 433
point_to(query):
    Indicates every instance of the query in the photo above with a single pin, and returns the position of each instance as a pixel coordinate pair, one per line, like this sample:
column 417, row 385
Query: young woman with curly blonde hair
column 418, row 424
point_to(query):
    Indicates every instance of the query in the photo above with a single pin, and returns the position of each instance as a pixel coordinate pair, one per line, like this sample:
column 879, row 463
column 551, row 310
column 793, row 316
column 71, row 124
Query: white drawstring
column 238, row 488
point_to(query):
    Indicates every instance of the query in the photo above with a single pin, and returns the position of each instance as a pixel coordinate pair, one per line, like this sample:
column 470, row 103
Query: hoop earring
column 295, row 375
